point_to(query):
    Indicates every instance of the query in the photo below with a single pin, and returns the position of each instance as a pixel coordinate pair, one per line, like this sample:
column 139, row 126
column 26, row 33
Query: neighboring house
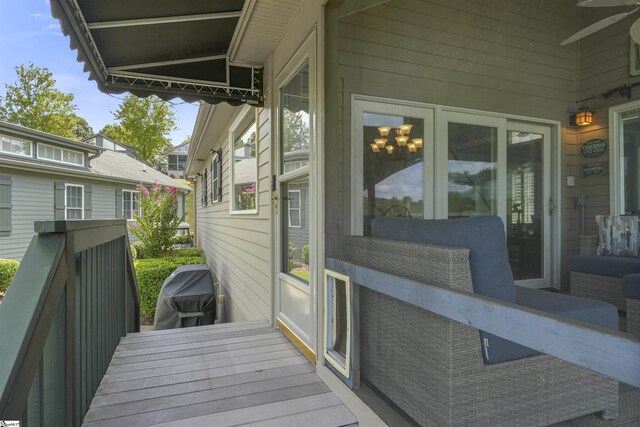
column 107, row 143
column 46, row 177
column 176, row 159
column 486, row 87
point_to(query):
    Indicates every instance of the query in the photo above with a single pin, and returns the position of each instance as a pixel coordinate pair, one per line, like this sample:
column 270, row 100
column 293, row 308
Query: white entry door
column 296, row 225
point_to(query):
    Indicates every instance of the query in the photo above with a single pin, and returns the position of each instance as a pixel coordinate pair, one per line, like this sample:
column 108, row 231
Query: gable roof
column 120, row 165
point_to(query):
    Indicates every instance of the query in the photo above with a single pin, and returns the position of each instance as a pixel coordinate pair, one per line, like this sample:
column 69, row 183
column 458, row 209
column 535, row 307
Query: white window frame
column 245, row 119
column 216, row 177
column 126, row 214
column 616, row 170
column 66, row 208
column 62, row 151
column 11, row 138
column 298, row 209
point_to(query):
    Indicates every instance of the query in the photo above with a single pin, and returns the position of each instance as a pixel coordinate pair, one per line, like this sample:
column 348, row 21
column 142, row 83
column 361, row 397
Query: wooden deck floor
column 221, row 375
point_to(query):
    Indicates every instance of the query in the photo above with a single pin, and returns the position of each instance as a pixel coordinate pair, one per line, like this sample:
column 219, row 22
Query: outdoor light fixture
column 584, row 118
column 402, row 140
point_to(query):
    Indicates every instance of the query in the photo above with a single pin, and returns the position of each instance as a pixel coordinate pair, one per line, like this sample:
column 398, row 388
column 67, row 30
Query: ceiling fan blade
column 596, row 26
column 634, row 31
column 607, row 3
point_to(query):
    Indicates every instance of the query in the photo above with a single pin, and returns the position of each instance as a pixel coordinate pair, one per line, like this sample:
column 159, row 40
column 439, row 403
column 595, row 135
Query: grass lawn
column 304, row 275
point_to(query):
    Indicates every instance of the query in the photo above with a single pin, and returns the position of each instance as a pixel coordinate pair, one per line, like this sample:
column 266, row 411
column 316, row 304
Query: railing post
column 70, row 336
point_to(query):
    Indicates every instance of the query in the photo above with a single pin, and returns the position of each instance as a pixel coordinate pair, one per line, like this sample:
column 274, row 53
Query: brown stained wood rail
column 72, row 299
column 608, row 352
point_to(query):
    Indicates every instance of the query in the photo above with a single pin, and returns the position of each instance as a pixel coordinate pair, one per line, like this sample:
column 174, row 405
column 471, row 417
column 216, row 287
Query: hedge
column 8, row 268
column 187, row 252
column 151, row 274
column 139, row 248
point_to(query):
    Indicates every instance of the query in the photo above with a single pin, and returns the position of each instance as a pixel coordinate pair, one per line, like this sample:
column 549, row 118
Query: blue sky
column 28, row 33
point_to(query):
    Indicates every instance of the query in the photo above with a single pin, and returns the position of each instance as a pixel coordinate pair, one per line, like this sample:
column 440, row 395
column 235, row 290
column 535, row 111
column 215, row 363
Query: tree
column 295, row 131
column 82, row 130
column 34, row 102
column 145, row 124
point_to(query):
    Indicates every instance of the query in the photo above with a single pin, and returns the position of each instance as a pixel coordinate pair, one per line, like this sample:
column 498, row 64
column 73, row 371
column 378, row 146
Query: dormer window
column 15, row 146
column 60, row 155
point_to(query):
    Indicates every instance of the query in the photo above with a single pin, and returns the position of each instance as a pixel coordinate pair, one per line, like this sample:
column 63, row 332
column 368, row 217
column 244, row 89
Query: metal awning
column 166, row 48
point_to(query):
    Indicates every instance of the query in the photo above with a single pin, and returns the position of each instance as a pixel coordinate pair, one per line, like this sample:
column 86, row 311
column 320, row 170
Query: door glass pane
column 524, row 204
column 630, row 162
column 392, row 168
column 296, row 232
column 472, row 170
column 294, row 121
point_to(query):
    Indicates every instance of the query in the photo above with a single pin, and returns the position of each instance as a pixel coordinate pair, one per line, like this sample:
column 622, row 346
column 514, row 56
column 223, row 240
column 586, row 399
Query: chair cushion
column 584, row 309
column 631, row 286
column 612, row 266
column 490, row 271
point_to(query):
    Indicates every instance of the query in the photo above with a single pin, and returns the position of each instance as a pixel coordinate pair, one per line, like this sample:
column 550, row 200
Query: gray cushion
column 490, row 271
column 577, row 308
column 612, row 266
column 631, row 286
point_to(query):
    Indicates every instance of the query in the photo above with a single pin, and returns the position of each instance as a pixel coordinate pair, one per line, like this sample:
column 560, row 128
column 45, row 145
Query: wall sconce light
column 584, row 117
column 211, row 151
column 402, row 140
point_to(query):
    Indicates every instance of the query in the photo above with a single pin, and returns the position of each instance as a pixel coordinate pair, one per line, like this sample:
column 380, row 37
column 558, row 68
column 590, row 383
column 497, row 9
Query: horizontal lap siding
column 32, row 200
column 604, row 65
column 238, row 247
column 501, row 56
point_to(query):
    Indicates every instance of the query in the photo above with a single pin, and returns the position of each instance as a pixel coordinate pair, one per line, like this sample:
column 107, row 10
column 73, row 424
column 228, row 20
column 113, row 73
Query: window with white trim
column 216, row 168
column 74, row 201
column 18, row 147
column 243, row 147
column 130, row 203
column 294, row 209
column 61, row 155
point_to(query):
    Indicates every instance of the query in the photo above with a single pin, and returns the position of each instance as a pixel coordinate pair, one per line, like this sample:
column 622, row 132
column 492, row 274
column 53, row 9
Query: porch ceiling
column 176, row 49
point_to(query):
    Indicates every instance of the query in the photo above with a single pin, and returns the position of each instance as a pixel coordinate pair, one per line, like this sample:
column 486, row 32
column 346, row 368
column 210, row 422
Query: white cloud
column 37, row 15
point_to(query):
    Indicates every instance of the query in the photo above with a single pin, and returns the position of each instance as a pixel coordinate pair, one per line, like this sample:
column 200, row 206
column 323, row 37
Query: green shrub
column 134, row 252
column 188, row 252
column 292, row 254
column 139, row 248
column 183, row 239
column 8, row 268
column 151, row 273
column 305, row 254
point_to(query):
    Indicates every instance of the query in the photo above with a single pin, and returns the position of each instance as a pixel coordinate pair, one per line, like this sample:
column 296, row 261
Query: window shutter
column 59, row 202
column 5, row 203
column 118, row 202
column 88, row 204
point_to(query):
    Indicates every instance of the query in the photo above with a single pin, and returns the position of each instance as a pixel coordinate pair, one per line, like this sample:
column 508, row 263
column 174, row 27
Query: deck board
column 231, row 374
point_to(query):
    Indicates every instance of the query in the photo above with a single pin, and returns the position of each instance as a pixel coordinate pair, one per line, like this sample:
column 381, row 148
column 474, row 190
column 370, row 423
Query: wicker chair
column 432, row 367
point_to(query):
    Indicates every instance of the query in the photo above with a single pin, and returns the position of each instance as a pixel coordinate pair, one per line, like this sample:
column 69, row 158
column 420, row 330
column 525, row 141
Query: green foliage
column 134, row 252
column 34, row 102
column 188, row 252
column 139, row 248
column 156, row 225
column 305, row 254
column 82, row 130
column 183, row 239
column 151, row 274
column 292, row 253
column 8, row 268
column 295, row 131
column 145, row 124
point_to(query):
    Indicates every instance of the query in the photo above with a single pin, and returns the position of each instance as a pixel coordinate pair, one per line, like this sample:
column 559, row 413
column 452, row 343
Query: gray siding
column 238, row 247
column 604, row 65
column 501, row 56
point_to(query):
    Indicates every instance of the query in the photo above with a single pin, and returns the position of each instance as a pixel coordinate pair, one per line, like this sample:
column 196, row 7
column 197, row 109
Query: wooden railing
column 612, row 353
column 72, row 299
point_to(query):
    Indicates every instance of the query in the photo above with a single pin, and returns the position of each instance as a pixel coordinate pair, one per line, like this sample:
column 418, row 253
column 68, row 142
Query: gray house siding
column 32, row 200
column 501, row 56
column 604, row 65
column 238, row 246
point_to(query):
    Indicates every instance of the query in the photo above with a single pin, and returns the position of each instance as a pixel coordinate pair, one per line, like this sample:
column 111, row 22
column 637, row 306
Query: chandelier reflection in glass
column 401, row 138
